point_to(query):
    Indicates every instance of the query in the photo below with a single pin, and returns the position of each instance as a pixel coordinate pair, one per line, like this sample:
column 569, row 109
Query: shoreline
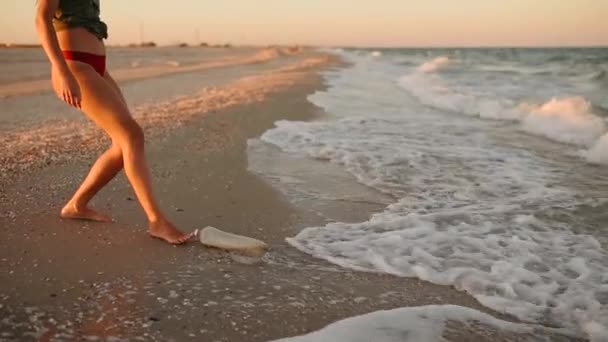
column 75, row 280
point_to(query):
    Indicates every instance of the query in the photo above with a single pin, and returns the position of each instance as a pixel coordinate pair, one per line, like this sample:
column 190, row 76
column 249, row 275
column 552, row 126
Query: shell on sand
column 213, row 237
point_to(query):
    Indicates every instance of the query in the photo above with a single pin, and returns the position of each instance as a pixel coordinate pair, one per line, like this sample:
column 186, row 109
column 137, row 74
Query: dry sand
column 71, row 280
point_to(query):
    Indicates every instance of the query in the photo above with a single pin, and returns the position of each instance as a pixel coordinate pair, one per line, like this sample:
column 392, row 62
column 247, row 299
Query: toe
column 184, row 238
column 181, row 240
column 168, row 233
column 97, row 216
column 86, row 214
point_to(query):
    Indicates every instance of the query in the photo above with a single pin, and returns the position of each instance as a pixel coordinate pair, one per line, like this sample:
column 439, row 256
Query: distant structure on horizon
column 152, row 44
column 143, row 44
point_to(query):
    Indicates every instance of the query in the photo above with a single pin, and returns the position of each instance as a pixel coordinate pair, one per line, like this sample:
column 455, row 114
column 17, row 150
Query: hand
column 69, row 90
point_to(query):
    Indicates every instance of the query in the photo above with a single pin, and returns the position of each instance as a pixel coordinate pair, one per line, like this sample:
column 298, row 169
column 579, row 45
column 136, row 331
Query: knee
column 116, row 151
column 133, row 137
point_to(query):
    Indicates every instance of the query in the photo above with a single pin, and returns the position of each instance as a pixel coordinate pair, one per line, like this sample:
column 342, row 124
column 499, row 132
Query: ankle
column 157, row 220
column 75, row 204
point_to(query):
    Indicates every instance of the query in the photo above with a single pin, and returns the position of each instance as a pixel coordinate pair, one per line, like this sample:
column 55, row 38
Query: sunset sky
column 340, row 22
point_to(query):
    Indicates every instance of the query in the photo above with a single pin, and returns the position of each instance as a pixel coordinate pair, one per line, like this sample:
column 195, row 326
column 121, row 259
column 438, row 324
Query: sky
column 339, row 22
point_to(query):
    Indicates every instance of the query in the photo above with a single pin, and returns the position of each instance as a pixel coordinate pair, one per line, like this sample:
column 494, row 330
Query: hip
column 80, row 39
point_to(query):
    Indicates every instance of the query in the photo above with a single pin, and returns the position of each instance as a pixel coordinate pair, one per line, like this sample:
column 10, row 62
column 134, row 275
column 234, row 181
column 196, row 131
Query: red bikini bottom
column 98, row 62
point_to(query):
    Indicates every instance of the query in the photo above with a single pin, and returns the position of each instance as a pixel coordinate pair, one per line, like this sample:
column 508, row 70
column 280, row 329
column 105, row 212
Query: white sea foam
column 471, row 212
column 465, row 224
column 435, row 64
column 415, row 324
column 521, row 266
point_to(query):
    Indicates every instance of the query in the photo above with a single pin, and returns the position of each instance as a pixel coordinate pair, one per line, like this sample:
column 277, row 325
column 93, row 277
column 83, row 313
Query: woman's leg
column 104, row 106
column 114, row 86
column 103, row 171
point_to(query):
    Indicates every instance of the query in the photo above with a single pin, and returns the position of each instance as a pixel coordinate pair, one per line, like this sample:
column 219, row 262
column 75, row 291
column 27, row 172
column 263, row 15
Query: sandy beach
column 71, row 280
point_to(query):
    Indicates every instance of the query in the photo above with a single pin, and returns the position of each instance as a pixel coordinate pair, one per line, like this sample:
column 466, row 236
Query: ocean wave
column 429, row 323
column 405, row 62
column 598, row 75
column 432, row 91
column 434, row 65
column 583, row 72
column 503, row 69
column 558, row 58
column 569, row 119
column 517, row 69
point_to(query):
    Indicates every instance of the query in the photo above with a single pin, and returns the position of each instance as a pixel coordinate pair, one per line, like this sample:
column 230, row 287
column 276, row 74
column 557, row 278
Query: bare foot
column 164, row 230
column 73, row 212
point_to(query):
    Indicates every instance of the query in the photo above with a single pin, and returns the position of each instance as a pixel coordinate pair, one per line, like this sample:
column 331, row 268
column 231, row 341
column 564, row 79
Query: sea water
column 495, row 164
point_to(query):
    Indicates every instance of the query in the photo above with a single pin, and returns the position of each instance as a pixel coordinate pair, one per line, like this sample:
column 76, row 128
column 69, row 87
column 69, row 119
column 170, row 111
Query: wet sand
column 72, row 280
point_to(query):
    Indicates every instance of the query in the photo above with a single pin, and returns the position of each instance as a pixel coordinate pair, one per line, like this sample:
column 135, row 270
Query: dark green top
column 80, row 13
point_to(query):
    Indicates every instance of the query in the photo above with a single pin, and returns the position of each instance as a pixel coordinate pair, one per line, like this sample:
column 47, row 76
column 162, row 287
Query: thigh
column 102, row 104
column 114, row 86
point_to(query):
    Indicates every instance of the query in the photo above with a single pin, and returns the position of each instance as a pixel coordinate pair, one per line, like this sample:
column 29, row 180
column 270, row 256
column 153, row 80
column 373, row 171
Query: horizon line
column 549, row 46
